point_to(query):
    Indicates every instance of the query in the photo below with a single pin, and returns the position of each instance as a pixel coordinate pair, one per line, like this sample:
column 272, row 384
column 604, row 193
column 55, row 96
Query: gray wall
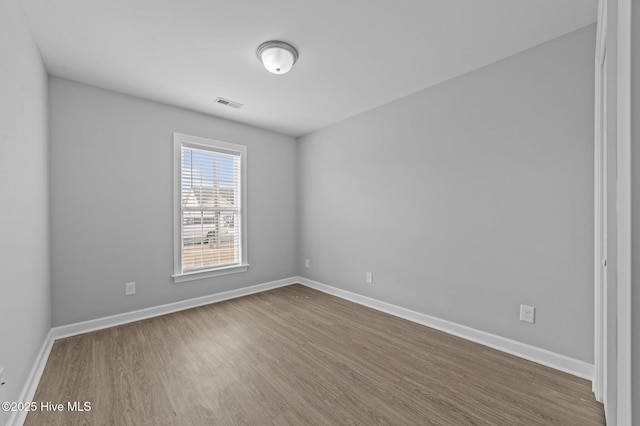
column 635, row 210
column 467, row 199
column 25, row 291
column 112, row 202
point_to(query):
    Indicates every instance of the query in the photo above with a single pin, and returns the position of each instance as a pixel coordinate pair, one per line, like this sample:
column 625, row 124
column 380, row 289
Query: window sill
column 209, row 273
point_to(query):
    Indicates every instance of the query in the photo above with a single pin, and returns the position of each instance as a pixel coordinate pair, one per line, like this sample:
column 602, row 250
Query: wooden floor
column 295, row 356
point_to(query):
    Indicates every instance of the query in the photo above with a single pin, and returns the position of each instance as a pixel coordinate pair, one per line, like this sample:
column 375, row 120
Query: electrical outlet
column 307, row 263
column 370, row 277
column 527, row 314
column 129, row 289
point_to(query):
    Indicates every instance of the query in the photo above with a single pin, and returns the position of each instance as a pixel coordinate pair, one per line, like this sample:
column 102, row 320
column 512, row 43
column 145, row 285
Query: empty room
column 319, row 212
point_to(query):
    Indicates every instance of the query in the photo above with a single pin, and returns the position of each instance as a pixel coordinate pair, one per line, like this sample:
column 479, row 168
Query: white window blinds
column 210, row 206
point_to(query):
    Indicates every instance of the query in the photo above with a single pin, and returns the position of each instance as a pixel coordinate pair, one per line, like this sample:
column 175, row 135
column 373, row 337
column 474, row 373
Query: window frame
column 180, row 140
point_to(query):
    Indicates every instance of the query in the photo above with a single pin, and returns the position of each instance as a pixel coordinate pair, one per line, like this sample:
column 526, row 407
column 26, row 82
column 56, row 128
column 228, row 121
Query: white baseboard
column 29, row 389
column 127, row 317
column 541, row 356
column 531, row 353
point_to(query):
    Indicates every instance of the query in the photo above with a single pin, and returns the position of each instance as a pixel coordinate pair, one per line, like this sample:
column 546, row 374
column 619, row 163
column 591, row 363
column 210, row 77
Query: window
column 209, row 215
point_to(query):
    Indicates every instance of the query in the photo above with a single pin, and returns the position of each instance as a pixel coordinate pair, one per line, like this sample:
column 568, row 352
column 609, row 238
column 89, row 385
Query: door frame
column 623, row 208
column 621, row 32
column 599, row 385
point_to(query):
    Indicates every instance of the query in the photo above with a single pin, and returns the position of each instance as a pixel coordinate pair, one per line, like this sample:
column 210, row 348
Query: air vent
column 227, row 102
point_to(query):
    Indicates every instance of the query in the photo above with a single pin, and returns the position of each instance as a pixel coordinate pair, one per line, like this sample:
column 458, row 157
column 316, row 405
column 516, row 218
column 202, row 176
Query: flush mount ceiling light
column 277, row 57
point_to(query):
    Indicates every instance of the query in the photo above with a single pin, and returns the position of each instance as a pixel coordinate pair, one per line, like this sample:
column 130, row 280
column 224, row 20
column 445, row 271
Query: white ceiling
column 354, row 54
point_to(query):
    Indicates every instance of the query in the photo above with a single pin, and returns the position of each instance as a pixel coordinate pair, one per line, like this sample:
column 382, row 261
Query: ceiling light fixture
column 277, row 57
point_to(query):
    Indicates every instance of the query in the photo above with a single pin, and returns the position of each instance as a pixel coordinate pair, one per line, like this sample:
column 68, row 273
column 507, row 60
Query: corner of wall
column 25, row 306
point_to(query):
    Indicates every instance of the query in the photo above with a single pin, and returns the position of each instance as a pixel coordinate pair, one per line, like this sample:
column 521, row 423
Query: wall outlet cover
column 527, row 314
column 129, row 289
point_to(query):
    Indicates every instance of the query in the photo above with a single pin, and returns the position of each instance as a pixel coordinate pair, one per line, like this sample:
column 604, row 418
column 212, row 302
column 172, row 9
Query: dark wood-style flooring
column 296, row 356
